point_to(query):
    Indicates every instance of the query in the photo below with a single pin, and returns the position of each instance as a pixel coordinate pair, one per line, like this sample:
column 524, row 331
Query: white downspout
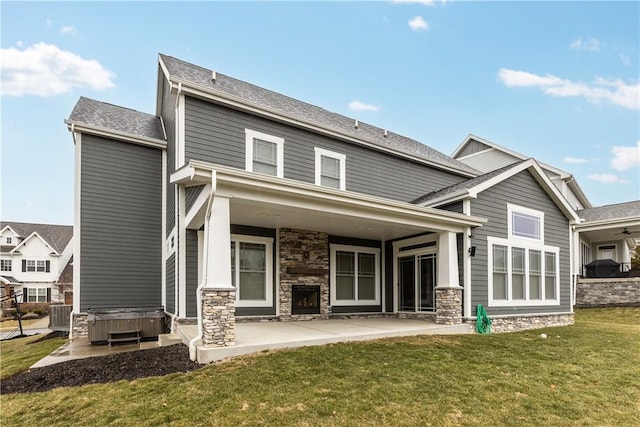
column 192, row 344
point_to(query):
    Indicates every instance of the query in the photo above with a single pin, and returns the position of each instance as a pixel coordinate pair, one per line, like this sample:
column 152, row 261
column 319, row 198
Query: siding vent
column 356, row 124
column 213, row 76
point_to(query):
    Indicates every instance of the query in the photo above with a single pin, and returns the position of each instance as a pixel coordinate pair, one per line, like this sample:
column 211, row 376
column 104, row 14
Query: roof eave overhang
column 75, row 126
column 236, row 102
column 608, row 223
column 241, row 184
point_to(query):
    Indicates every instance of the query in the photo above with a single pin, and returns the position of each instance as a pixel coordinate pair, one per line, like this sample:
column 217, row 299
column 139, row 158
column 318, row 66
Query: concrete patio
column 253, row 337
column 260, row 336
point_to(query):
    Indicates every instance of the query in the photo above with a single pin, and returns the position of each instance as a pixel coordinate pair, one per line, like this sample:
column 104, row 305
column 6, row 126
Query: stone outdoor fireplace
column 304, row 275
column 305, row 299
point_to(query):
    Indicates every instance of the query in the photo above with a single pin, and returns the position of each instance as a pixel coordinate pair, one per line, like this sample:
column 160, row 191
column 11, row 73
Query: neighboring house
column 33, row 258
column 603, row 233
column 236, row 202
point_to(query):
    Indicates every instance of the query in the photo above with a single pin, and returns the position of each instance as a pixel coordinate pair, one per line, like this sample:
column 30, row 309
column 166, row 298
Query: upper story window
column 330, row 169
column 264, row 153
column 5, row 265
column 525, row 223
column 9, row 240
column 39, row 266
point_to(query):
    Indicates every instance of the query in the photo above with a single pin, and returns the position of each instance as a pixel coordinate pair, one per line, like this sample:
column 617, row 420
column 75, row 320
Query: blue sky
column 558, row 81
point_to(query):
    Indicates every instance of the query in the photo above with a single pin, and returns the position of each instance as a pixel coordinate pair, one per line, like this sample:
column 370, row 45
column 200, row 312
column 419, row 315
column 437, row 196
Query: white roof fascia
column 608, row 223
column 303, row 194
column 8, row 227
column 206, row 93
column 470, row 137
column 110, row 133
column 539, row 174
column 35, row 233
column 573, row 184
column 449, row 198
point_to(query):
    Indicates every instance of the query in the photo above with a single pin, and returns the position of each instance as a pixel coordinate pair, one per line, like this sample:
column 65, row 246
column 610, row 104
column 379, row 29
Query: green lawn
column 583, row 375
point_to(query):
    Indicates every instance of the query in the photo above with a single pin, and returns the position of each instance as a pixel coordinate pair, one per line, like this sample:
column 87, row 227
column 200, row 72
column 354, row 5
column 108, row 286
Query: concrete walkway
column 253, row 337
column 40, row 326
column 260, row 336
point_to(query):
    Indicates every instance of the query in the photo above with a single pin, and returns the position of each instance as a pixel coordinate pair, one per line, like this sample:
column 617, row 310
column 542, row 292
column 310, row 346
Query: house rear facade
column 235, row 203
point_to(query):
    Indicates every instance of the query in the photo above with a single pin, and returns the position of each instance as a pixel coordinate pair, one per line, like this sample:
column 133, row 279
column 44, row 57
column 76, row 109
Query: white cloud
column 591, row 43
column 46, row 70
column 69, row 29
column 361, row 106
column 418, row 24
column 602, row 89
column 607, row 178
column 625, row 59
column 625, row 157
column 575, row 160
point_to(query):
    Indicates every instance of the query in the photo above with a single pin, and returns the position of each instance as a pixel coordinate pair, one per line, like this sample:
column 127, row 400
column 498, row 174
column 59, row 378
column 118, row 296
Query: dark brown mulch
column 103, row 369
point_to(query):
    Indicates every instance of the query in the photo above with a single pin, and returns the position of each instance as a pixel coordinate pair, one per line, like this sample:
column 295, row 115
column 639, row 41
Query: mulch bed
column 103, row 369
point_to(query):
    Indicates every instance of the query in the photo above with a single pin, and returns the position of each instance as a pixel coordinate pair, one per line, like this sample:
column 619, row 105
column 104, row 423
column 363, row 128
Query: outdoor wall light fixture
column 472, row 251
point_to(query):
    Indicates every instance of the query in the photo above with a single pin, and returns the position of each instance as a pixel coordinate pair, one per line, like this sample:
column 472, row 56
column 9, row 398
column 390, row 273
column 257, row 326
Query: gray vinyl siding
column 523, row 190
column 472, row 147
column 168, row 117
column 120, row 224
column 171, row 284
column 216, row 134
column 191, row 194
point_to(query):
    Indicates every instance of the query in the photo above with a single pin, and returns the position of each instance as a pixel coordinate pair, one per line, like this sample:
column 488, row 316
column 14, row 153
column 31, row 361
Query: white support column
column 217, row 260
column 448, row 260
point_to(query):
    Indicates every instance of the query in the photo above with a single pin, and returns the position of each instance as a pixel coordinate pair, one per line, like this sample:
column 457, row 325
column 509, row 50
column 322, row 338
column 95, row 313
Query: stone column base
column 449, row 306
column 80, row 327
column 218, row 317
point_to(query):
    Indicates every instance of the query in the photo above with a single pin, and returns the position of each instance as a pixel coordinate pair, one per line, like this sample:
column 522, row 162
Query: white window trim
column 509, row 302
column 511, row 208
column 356, row 250
column 319, row 152
column 250, row 135
column 268, row 242
column 9, row 264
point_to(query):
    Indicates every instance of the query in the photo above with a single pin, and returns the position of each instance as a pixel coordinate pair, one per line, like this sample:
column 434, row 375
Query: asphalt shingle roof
column 464, row 185
column 610, row 212
column 109, row 116
column 306, row 112
column 58, row 236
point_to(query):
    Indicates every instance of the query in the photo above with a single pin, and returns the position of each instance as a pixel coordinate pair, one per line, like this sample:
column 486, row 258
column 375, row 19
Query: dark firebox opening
column 305, row 299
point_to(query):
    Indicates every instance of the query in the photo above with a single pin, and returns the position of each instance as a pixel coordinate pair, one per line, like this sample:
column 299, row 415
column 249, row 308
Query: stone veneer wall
column 608, row 292
column 525, row 322
column 449, row 306
column 80, row 326
column 218, row 317
column 303, row 249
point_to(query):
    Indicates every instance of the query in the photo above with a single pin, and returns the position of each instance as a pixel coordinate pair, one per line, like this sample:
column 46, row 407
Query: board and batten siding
column 216, row 134
column 192, row 273
column 171, row 284
column 120, row 224
column 490, row 160
column 522, row 190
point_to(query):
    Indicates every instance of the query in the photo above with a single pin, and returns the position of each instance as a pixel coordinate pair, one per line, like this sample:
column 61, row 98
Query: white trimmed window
column 36, row 295
column 330, row 169
column 355, row 275
column 264, row 153
column 252, row 270
column 9, row 240
column 525, row 223
column 6, row 265
column 522, row 274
